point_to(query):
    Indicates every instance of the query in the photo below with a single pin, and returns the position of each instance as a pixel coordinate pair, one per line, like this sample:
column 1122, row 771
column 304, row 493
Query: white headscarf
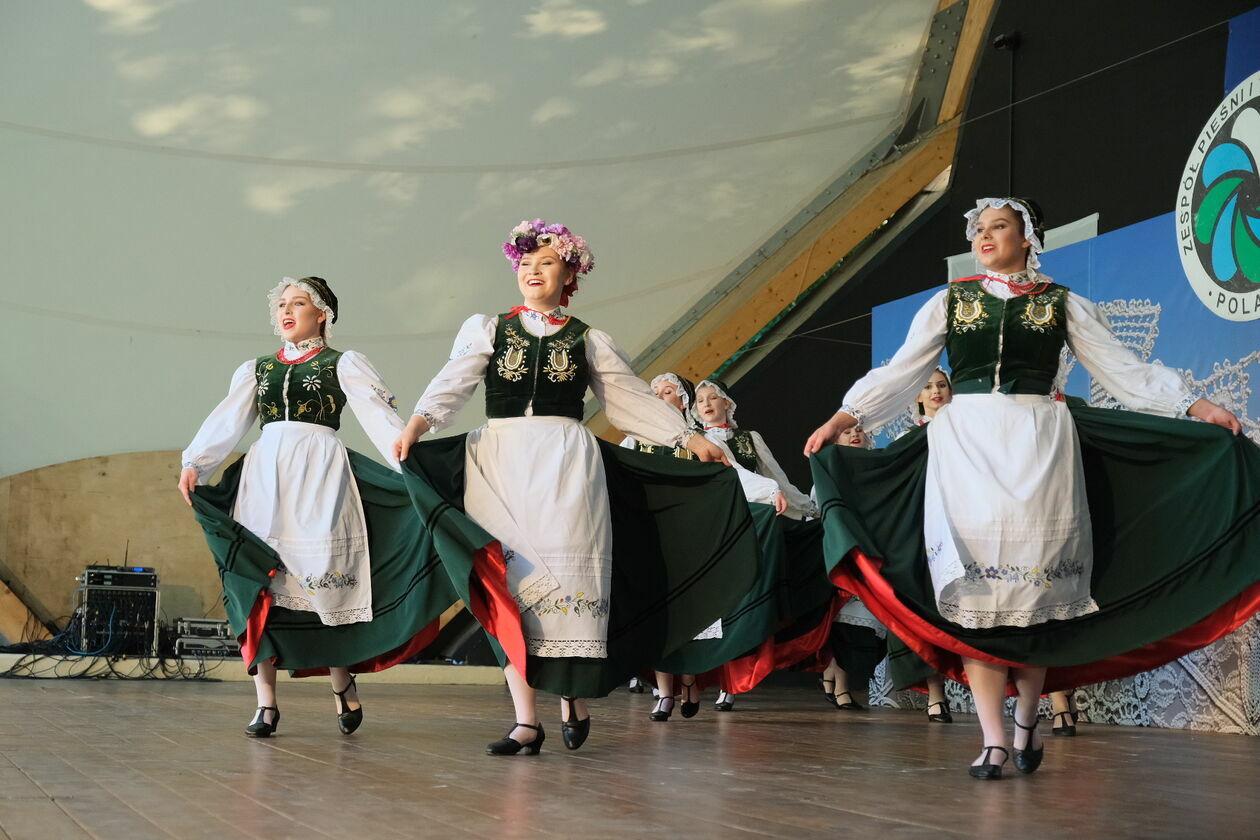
column 730, row 411
column 1030, row 232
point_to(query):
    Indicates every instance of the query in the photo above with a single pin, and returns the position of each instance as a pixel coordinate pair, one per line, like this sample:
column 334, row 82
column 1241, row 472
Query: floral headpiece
column 321, row 295
column 1032, row 224
column 528, row 237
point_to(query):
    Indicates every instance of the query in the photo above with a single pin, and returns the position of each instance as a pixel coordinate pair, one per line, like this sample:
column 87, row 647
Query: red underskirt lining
column 493, row 605
column 256, row 625
column 943, row 652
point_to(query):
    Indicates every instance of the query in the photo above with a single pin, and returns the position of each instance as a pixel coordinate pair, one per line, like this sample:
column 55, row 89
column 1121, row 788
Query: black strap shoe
column 941, row 715
column 725, row 701
column 690, row 707
column 1068, row 727
column 849, row 705
column 1027, row 761
column 348, row 719
column 259, row 727
column 989, row 771
column 507, row 746
column 573, row 731
column 663, row 709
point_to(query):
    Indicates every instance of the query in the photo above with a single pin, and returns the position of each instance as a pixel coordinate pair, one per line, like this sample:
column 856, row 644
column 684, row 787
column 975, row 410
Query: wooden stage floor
column 135, row 760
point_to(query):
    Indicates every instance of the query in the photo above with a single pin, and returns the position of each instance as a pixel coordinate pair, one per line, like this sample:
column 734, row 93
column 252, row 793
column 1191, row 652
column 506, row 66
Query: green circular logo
column 1218, row 207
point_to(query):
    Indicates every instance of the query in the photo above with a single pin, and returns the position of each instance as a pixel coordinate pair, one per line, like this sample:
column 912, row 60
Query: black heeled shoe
column 636, row 686
column 988, row 771
column 690, row 708
column 573, row 731
column 943, row 716
column 829, row 693
column 1068, row 729
column 1027, row 761
column 348, row 719
column 509, row 746
column 849, row 705
column 725, row 701
column 661, row 711
column 258, row 727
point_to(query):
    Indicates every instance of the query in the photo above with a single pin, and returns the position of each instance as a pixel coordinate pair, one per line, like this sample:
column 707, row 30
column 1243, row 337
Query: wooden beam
column 970, row 41
column 774, row 284
column 17, row 622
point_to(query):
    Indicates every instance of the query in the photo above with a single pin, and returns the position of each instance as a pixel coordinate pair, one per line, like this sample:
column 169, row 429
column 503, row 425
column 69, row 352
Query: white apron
column 537, row 484
column 298, row 495
column 1006, row 522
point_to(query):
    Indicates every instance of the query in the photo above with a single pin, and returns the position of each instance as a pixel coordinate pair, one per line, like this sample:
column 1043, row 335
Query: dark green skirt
column 410, row 591
column 684, row 553
column 783, row 619
column 1175, row 510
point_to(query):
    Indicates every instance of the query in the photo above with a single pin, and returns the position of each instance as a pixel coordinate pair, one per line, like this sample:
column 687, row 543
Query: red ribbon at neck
column 551, row 319
column 1018, row 288
column 719, row 426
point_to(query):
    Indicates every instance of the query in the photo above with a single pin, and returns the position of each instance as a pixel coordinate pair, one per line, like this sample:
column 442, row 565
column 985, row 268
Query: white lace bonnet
column 677, row 382
column 1031, row 224
column 273, row 297
column 718, row 386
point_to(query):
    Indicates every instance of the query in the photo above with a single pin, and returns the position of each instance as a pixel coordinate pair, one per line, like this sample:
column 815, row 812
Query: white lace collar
column 293, row 351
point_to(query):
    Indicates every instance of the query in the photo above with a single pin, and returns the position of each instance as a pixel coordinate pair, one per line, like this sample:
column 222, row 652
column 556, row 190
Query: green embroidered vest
column 549, row 371
column 665, row 451
column 1011, row 346
column 741, row 445
column 308, row 391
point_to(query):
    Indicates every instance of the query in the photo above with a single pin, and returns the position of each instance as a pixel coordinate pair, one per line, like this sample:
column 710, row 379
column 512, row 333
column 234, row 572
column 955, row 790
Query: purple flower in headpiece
column 528, row 237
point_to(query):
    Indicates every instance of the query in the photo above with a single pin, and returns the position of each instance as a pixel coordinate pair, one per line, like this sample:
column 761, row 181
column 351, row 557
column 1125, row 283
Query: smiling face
column 1000, row 245
column 711, row 406
column 934, row 394
column 669, row 392
column 852, row 436
column 298, row 317
column 542, row 277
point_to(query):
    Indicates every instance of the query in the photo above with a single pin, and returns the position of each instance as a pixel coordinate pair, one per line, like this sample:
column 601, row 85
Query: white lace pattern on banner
column 1136, row 324
column 1214, row 689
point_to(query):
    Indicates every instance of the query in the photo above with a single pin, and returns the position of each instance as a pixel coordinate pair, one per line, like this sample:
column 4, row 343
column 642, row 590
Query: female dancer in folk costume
column 857, row 637
column 295, row 515
column 678, row 392
column 937, row 393
column 538, row 483
column 738, row 651
column 995, row 490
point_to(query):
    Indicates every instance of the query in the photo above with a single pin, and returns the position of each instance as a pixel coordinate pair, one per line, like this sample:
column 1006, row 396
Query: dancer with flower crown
column 324, row 569
column 1018, row 539
column 584, row 561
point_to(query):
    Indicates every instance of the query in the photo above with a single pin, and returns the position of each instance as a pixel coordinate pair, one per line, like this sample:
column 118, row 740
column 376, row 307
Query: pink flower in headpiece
column 528, row 237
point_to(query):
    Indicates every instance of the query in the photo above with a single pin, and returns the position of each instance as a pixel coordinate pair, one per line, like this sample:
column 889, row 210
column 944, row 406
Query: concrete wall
column 57, row 520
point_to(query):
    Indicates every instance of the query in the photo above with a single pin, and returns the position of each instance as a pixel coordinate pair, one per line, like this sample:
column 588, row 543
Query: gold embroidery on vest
column 1039, row 313
column 969, row 311
column 744, row 446
column 560, row 365
column 511, row 364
